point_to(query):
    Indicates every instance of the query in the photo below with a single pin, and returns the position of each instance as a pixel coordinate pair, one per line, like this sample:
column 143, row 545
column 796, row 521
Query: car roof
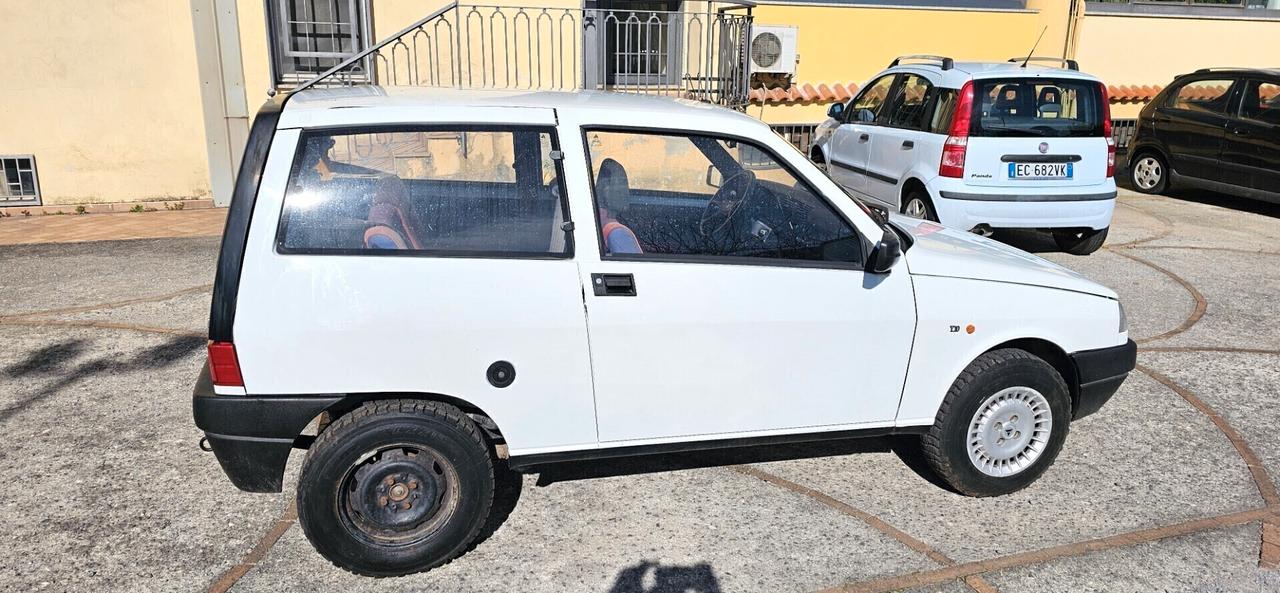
column 961, row 72
column 370, row 104
column 1233, row 71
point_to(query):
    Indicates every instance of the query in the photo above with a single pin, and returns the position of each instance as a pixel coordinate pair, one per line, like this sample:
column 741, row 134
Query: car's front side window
column 866, row 106
column 1204, row 96
column 670, row 195
column 472, row 191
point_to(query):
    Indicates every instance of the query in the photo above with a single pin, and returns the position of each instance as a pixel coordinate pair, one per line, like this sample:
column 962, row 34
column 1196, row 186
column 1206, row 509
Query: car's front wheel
column 396, row 487
column 1080, row 241
column 1001, row 424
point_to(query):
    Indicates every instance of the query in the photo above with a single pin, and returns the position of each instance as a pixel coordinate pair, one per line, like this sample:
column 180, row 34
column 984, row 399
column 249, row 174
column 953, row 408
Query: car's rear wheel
column 1149, row 173
column 396, row 487
column 1080, row 241
column 1001, row 424
column 917, row 204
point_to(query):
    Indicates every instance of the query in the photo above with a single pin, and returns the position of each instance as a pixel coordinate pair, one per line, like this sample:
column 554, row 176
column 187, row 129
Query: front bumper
column 1099, row 374
column 252, row 435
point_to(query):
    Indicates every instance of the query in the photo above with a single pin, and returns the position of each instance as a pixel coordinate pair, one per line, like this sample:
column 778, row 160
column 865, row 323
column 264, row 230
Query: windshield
column 1037, row 107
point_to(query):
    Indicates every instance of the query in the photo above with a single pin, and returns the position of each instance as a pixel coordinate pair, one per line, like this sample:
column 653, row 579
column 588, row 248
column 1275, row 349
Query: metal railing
column 800, row 135
column 696, row 55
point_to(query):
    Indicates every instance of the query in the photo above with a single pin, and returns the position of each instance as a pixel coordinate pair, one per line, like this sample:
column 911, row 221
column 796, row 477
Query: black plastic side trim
column 861, row 171
column 226, row 284
column 526, row 461
column 1100, row 373
column 950, row 195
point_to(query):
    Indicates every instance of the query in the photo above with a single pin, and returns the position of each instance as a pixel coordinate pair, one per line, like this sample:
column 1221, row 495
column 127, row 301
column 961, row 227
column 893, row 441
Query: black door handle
column 864, row 137
column 908, row 144
column 613, row 284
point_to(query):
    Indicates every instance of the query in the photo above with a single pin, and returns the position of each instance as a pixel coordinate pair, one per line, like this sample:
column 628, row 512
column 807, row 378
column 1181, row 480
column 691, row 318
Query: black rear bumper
column 252, row 435
column 1099, row 374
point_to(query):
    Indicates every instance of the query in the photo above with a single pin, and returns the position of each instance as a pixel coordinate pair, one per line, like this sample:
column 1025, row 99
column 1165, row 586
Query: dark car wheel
column 1001, row 424
column 1080, row 241
column 1149, row 173
column 396, row 487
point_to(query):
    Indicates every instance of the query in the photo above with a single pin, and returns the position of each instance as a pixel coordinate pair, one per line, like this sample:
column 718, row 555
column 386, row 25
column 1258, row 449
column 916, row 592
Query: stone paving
column 1168, row 488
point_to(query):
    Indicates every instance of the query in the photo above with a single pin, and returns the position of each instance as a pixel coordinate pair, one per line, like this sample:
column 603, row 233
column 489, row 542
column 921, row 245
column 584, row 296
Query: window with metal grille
column 642, row 41
column 18, row 181
column 311, row 36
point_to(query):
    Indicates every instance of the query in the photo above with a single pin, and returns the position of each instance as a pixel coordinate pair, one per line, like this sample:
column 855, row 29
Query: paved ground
column 1166, row 489
column 52, row 228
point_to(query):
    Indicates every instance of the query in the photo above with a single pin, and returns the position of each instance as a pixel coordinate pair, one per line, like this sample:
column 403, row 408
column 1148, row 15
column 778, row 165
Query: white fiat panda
column 980, row 146
column 443, row 279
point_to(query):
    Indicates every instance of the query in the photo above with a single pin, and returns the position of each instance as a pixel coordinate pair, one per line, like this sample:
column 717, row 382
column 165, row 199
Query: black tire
column 946, row 445
column 1149, row 172
column 358, row 509
column 1080, row 241
column 819, row 160
column 925, row 204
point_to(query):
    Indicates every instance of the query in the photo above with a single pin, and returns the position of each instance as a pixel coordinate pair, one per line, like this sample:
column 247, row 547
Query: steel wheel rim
column 1009, row 432
column 915, row 208
column 1147, row 173
column 353, row 504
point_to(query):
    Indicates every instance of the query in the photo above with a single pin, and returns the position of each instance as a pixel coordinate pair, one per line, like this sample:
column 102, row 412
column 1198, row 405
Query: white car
column 442, row 279
column 980, row 146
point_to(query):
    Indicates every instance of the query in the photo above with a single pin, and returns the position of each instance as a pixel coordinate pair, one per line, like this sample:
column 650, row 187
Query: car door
column 898, row 142
column 1193, row 125
column 852, row 142
column 1253, row 138
column 741, row 306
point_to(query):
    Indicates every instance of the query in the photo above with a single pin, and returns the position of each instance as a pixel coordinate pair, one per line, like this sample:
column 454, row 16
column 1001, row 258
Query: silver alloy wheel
column 915, row 208
column 1009, row 431
column 1148, row 172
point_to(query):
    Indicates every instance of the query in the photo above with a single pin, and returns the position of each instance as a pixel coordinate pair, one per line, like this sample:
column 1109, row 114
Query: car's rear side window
column 1033, row 107
column 473, row 191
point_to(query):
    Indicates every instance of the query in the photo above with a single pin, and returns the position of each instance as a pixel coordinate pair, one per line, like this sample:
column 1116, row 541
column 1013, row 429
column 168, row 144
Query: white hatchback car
column 980, row 146
column 442, row 280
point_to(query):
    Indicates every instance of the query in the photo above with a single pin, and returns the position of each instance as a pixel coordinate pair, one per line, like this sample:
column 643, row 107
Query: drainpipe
column 1074, row 14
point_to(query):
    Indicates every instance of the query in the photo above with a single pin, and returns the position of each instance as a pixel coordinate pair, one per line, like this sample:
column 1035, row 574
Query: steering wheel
column 726, row 202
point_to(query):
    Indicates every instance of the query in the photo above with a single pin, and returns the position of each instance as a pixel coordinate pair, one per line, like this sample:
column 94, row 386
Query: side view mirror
column 713, row 176
column 835, row 110
column 885, row 253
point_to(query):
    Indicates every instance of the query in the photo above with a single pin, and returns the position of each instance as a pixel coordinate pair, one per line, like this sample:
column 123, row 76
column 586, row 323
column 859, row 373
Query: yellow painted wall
column 1132, row 50
column 852, row 44
column 105, row 94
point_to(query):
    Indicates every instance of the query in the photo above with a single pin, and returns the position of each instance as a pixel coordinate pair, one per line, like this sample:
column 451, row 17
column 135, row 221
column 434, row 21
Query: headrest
column 612, row 189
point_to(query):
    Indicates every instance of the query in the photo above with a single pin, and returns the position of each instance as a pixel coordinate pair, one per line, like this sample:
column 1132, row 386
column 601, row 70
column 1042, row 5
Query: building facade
column 148, row 102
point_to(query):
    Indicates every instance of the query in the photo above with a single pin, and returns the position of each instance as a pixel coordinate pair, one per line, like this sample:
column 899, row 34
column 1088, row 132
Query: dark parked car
column 1218, row 129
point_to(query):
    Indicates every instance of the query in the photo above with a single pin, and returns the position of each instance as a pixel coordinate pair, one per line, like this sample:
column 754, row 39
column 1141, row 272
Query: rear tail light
column 957, row 144
column 224, row 367
column 1106, row 131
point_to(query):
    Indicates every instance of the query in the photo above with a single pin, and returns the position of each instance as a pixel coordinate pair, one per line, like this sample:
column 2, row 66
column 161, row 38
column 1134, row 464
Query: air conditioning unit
column 773, row 49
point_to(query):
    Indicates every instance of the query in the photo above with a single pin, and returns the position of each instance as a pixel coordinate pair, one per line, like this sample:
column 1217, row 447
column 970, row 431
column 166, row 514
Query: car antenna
column 1033, row 47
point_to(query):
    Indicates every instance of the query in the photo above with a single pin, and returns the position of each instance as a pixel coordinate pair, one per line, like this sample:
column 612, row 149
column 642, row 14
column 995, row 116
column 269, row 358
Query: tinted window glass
column 908, row 110
column 867, row 105
column 943, row 109
column 431, row 191
column 1037, row 107
column 693, row 195
column 1209, row 96
column 1261, row 102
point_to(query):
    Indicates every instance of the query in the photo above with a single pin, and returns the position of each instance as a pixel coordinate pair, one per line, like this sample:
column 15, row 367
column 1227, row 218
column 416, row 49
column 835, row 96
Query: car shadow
column 654, row 577
column 1212, row 198
column 56, row 361
column 906, row 447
